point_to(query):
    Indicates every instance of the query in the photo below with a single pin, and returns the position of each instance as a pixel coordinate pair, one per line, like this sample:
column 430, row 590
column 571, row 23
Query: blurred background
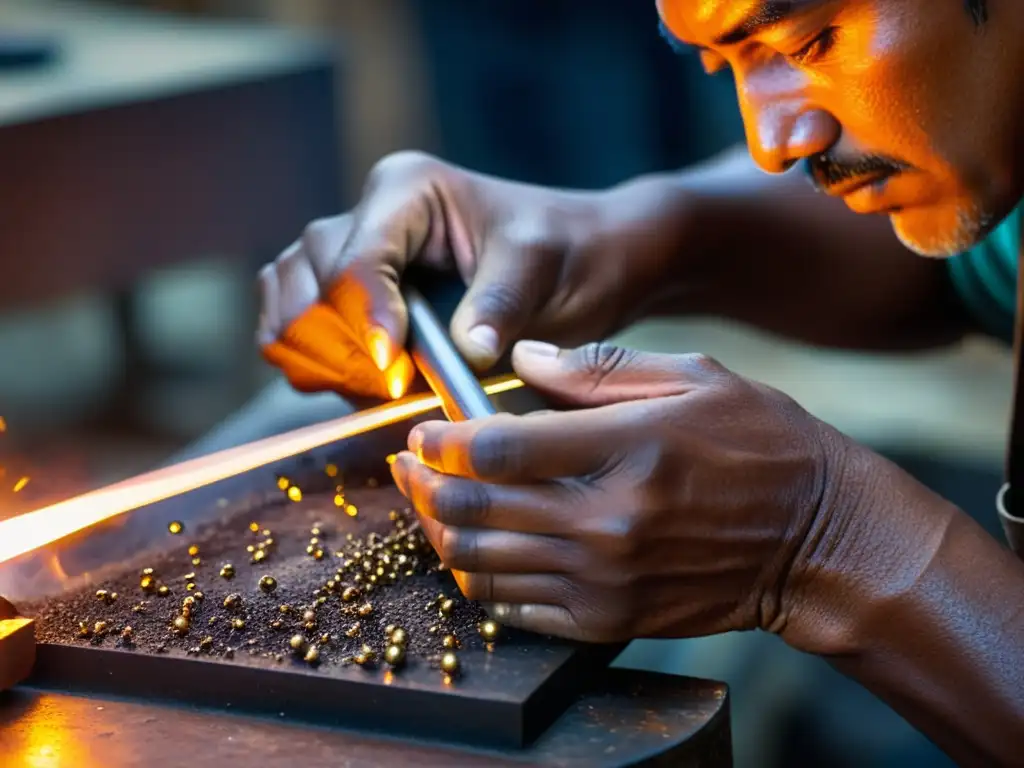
column 154, row 153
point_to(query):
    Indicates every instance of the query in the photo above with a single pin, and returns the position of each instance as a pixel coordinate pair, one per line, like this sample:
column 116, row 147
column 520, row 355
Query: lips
column 847, row 188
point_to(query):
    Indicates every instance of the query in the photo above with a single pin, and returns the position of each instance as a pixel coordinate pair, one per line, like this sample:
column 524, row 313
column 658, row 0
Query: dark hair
column 978, row 10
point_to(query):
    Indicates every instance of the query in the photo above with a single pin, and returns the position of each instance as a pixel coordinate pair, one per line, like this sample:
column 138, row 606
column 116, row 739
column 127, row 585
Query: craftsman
column 673, row 498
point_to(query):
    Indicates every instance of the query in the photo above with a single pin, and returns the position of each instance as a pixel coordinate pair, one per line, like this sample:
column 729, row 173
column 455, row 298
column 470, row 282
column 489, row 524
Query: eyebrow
column 768, row 13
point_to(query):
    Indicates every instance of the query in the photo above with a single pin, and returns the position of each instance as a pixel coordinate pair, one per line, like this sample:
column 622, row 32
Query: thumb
column 602, row 374
column 503, row 296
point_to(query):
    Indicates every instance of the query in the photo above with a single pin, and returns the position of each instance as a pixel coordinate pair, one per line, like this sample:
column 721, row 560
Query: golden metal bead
column 285, row 608
column 227, row 571
column 259, row 556
column 351, row 510
column 365, row 609
column 325, row 639
column 254, row 527
column 186, row 611
column 318, row 554
column 268, row 584
column 213, row 620
column 331, row 470
column 295, row 493
column 449, row 663
column 389, row 630
column 140, row 608
column 84, row 629
column 432, row 629
column 357, row 578
column 394, row 655
column 349, row 594
column 206, row 643
column 312, row 655
column 196, row 561
column 199, row 596
column 360, row 659
column 127, row 633
column 276, row 624
column 297, row 643
column 339, row 500
column 450, row 642
column 398, row 636
column 250, row 549
column 310, row 549
column 283, row 483
column 331, row 585
column 321, row 600
column 233, row 601
column 489, row 630
column 309, row 616
column 99, row 628
column 181, row 625
column 164, row 591
column 352, row 631
column 188, row 602
column 176, row 527
column 190, row 586
column 265, row 532
column 368, row 652
column 148, row 572
column 190, row 577
column 147, row 584
column 193, row 551
column 238, row 624
column 446, row 607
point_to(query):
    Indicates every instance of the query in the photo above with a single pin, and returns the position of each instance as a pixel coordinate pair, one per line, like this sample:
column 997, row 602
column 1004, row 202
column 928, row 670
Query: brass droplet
column 309, row 616
column 351, row 510
column 227, row 571
column 193, row 551
column 213, row 620
column 489, row 630
column 310, row 549
column 148, row 572
column 318, row 554
column 285, row 608
column 331, row 470
column 283, row 483
column 250, row 549
column 265, row 532
column 233, row 602
column 312, row 655
column 196, row 561
column 449, row 663
column 206, row 643
column 297, row 643
column 352, row 631
column 295, row 493
column 398, row 636
column 446, row 607
column 99, row 628
column 188, row 602
column 368, row 652
column 259, row 556
column 450, row 643
column 254, row 527
column 389, row 630
column 394, row 655
column 140, row 608
column 238, row 624
column 84, row 630
column 276, row 624
column 268, row 584
column 321, row 600
column 181, row 625
column 102, row 595
column 164, row 591
column 127, row 634
column 365, row 609
column 190, row 586
column 190, row 577
column 325, row 639
column 176, row 527
column 432, row 629
column 350, row 594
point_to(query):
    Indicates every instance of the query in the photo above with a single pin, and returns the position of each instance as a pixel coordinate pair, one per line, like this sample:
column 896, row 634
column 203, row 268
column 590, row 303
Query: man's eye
column 816, row 49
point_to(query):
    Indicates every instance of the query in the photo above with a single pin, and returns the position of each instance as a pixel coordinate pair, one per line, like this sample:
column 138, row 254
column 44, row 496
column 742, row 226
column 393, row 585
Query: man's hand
column 538, row 262
column 672, row 504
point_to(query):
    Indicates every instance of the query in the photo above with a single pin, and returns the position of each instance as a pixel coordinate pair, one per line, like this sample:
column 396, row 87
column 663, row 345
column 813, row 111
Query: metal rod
column 460, row 392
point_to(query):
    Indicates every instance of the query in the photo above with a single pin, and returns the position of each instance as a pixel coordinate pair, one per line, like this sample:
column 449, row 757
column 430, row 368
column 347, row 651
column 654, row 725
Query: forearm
column 915, row 601
column 772, row 252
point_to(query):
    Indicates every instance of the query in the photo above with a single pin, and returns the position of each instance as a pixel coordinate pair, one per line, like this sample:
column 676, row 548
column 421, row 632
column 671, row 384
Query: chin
column 941, row 232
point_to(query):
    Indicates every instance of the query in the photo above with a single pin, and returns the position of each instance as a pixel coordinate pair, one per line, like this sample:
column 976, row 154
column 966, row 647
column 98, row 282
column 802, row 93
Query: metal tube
column 461, row 394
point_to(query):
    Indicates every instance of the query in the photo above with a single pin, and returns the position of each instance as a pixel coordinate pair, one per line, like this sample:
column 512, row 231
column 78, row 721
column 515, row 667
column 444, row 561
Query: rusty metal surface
column 631, row 718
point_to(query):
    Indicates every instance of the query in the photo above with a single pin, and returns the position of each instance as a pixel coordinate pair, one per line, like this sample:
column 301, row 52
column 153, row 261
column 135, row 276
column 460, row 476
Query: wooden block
column 17, row 651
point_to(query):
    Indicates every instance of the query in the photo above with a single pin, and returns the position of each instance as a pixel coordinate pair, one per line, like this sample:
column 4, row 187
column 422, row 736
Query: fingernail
column 379, row 344
column 537, row 349
column 396, row 384
column 416, row 443
column 484, row 338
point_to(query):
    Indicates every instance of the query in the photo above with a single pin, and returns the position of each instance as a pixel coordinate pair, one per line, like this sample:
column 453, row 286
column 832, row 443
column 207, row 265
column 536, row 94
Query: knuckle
column 493, row 453
column 459, row 549
column 701, row 364
column 402, row 165
column 477, row 587
column 502, row 300
column 457, row 503
column 601, row 358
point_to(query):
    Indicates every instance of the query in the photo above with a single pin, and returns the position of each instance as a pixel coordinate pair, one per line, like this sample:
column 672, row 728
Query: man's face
column 901, row 107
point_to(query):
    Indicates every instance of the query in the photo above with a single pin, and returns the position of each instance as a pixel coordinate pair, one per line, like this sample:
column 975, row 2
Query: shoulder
column 985, row 277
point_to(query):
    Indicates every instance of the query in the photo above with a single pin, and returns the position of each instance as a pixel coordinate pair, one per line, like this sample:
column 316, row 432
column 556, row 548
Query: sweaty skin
column 675, row 498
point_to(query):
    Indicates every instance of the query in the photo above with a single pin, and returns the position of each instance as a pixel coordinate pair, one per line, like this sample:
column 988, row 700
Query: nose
column 781, row 123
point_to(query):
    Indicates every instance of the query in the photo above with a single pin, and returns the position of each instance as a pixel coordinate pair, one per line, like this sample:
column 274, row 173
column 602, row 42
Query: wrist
column 871, row 542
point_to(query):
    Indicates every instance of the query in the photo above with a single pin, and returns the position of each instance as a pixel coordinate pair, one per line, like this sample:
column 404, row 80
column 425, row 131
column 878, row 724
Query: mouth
column 866, row 195
column 850, row 186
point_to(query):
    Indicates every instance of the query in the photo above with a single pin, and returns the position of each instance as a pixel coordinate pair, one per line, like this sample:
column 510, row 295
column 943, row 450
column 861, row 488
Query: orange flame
column 25, row 533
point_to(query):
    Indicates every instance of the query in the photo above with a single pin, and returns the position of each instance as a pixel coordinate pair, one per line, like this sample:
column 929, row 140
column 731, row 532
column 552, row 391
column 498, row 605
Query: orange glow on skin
column 26, row 533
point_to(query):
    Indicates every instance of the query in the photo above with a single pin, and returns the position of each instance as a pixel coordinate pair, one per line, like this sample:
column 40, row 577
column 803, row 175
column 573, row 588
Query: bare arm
column 776, row 254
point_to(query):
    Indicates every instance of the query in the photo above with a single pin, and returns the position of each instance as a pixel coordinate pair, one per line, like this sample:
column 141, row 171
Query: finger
column 519, row 450
column 320, row 335
column 297, row 286
column 503, row 296
column 454, row 501
column 496, row 552
column 542, row 619
column 515, row 588
column 603, row 374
